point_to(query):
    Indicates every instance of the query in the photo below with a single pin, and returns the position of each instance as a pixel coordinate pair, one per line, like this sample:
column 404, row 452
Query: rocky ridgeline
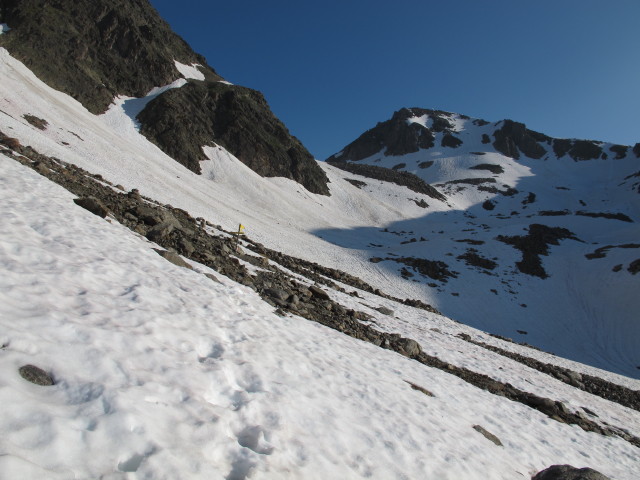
column 179, row 233
column 400, row 136
column 405, row 179
column 97, row 50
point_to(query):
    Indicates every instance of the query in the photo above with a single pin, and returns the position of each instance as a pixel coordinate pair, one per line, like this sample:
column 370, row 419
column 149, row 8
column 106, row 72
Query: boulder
column 92, row 204
column 409, row 347
column 567, row 472
column 319, row 293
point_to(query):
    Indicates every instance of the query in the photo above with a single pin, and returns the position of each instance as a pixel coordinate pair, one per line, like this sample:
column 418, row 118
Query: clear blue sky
column 332, row 69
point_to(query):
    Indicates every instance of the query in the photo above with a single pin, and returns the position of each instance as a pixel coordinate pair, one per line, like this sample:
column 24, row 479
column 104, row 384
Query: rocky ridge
column 401, row 135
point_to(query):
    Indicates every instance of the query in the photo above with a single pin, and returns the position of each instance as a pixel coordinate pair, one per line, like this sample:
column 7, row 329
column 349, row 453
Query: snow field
column 162, row 373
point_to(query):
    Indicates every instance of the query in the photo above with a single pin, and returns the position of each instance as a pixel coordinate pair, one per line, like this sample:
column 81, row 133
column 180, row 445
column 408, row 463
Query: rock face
column 116, row 47
column 182, row 120
column 395, row 135
column 513, row 138
column 97, row 50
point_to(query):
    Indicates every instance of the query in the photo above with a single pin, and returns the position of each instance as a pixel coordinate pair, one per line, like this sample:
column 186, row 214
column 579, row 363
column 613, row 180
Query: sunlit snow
column 189, row 71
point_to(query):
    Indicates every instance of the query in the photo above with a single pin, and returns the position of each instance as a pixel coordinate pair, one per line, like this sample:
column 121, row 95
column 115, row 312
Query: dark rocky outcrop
column 567, row 472
column 472, row 258
column 514, row 137
column 435, row 269
column 396, row 136
column 534, row 244
column 601, row 252
column 39, row 123
column 619, row 150
column 577, row 149
column 611, row 216
column 406, row 179
column 471, row 181
column 493, row 168
column 488, row 205
column 96, row 50
column 636, row 149
column 450, row 141
column 182, row 120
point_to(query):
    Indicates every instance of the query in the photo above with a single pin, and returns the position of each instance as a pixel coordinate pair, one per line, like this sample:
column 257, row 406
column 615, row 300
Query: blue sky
column 333, row 69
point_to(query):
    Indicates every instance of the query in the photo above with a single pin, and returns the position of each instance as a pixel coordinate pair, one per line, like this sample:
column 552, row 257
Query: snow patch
column 190, row 71
column 4, row 28
column 123, row 112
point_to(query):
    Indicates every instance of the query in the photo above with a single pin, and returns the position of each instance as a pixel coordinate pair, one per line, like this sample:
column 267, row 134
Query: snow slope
column 162, row 373
column 346, row 229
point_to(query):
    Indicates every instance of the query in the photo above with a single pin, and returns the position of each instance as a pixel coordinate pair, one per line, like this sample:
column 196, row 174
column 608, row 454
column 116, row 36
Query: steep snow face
column 161, row 373
column 584, row 310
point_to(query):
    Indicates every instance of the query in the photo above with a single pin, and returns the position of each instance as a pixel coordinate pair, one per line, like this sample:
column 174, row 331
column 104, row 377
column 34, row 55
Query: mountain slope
column 161, row 372
column 97, row 51
column 495, row 257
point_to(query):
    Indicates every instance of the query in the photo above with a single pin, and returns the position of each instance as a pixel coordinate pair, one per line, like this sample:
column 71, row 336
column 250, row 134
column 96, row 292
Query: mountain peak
column 410, row 130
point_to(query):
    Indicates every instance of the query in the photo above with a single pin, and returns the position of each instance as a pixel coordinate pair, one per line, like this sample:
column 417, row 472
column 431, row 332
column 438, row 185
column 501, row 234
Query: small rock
column 173, row 258
column 420, row 389
column 92, row 204
column 36, row 375
column 212, row 277
column 567, row 472
column 385, row 310
column 488, row 435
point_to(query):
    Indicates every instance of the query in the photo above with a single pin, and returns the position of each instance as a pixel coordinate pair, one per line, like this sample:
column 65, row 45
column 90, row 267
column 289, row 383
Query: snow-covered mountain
column 316, row 350
column 536, row 238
